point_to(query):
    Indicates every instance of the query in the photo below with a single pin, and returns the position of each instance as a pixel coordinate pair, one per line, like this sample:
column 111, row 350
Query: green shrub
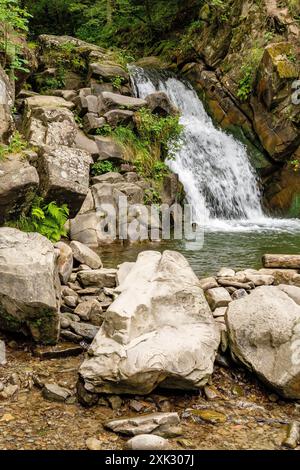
column 249, row 70
column 16, row 145
column 105, row 130
column 245, row 84
column 105, row 166
column 117, row 82
column 155, row 139
column 47, row 219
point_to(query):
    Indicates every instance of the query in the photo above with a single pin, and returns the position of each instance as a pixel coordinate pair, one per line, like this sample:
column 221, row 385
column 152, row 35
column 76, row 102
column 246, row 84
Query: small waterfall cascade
column 213, row 166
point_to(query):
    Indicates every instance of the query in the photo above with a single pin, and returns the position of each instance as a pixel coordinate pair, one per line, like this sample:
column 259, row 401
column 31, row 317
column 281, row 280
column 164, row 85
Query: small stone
column 293, row 435
column 70, row 336
column 210, row 416
column 93, row 444
column 165, row 406
column 218, row 297
column 65, row 323
column 98, row 277
column 208, row 283
column 115, row 402
column 237, row 391
column 89, row 291
column 210, row 392
column 156, row 423
column 86, row 309
column 72, row 278
column 67, row 291
column 71, row 301
column 85, row 330
column 58, row 351
column 136, row 405
column 85, row 255
column 9, row 391
column 13, row 344
column 38, row 382
column 7, row 417
column 239, row 294
column 54, row 392
column 147, row 442
column 70, row 316
column 226, row 272
column 219, row 312
column 1, row 386
column 273, row 397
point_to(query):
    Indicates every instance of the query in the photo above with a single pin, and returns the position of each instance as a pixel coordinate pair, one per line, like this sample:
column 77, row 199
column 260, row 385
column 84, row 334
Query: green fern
column 48, row 220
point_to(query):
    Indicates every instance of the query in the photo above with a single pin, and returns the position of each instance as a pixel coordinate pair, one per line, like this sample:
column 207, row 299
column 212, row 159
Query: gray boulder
column 133, row 192
column 29, row 285
column 117, row 117
column 85, row 255
column 108, row 149
column 89, row 224
column 160, row 104
column 107, row 72
column 110, row 177
column 91, row 122
column 115, row 101
column 83, row 142
column 264, row 334
column 52, row 125
column 104, row 277
column 18, row 184
column 64, row 175
column 159, row 331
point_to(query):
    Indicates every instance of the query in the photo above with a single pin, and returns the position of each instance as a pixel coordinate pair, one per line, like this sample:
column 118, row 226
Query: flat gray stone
column 54, row 392
column 156, row 423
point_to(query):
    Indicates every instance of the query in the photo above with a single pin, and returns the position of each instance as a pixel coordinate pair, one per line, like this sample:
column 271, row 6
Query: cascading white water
column 214, row 167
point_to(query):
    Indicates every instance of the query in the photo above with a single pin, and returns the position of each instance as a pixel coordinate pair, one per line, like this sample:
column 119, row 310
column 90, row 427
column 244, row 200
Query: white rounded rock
column 147, row 442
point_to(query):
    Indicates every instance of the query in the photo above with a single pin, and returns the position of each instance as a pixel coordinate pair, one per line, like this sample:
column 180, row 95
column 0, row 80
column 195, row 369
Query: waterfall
column 213, row 166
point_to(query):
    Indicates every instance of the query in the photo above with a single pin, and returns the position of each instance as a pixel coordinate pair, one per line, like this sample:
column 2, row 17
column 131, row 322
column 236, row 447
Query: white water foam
column 213, row 166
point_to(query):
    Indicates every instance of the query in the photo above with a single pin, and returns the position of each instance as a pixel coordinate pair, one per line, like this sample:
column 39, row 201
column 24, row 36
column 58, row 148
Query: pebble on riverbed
column 147, row 442
column 292, row 439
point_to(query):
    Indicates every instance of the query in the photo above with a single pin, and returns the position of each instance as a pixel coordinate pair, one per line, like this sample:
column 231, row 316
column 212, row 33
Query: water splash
column 213, row 166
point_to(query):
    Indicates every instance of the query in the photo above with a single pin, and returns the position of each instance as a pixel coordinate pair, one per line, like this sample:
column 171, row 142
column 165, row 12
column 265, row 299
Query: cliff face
column 242, row 56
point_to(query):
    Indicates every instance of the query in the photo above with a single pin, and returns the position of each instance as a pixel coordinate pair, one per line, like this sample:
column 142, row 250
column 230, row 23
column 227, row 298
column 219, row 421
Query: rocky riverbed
column 234, row 412
column 164, row 352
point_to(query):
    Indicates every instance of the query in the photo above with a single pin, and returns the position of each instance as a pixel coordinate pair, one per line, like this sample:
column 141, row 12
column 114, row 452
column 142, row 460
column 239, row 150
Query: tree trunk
column 281, row 261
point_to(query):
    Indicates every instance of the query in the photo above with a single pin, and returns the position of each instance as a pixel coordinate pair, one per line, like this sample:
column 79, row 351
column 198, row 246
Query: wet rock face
column 29, row 293
column 159, row 330
column 6, row 103
column 264, row 332
column 275, row 73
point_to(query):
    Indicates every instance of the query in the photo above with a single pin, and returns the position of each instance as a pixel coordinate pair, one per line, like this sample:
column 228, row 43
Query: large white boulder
column 159, row 331
column 264, row 332
column 29, row 285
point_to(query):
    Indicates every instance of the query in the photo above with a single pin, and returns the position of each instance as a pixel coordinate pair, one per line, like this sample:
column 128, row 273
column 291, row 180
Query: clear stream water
column 220, row 185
